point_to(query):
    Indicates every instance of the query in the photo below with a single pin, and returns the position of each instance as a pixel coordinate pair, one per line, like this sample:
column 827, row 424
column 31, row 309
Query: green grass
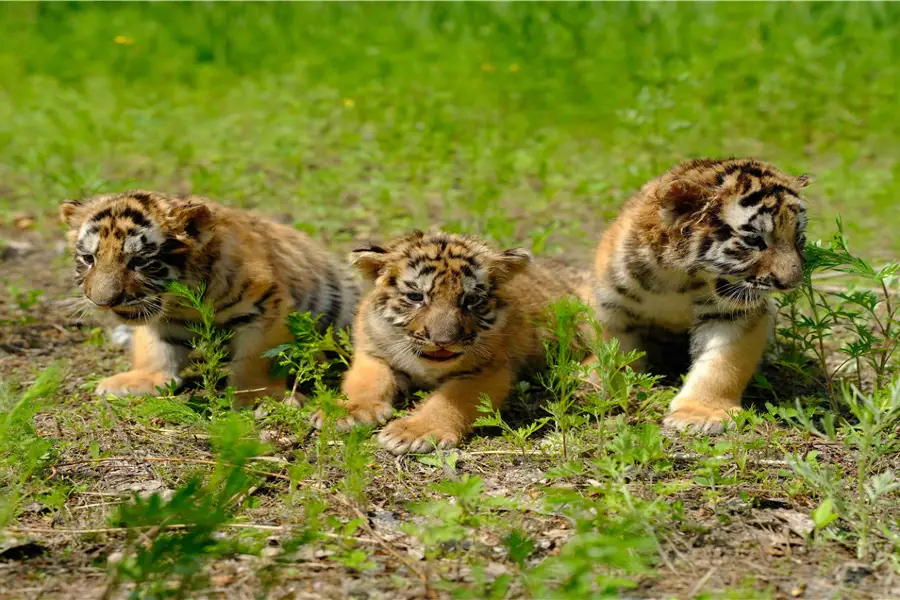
column 528, row 123
column 519, row 121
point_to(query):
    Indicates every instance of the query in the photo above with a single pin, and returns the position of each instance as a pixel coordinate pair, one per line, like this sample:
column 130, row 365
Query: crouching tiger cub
column 691, row 259
column 128, row 247
column 447, row 313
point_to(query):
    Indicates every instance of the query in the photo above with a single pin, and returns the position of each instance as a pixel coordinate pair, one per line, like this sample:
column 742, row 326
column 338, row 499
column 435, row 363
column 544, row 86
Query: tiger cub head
column 741, row 220
column 128, row 247
column 440, row 295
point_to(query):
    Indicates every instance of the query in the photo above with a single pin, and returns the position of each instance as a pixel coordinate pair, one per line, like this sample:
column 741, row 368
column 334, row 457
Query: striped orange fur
column 449, row 314
column 686, row 271
column 128, row 247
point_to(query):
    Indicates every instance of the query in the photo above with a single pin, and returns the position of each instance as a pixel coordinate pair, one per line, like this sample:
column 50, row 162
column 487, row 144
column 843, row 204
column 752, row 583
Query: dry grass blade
column 163, row 459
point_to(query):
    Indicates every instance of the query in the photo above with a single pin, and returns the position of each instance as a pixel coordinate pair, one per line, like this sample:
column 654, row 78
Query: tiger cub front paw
column 135, row 383
column 418, row 433
column 376, row 413
column 699, row 417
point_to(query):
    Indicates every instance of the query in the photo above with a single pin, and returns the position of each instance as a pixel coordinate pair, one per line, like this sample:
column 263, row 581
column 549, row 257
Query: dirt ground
column 755, row 541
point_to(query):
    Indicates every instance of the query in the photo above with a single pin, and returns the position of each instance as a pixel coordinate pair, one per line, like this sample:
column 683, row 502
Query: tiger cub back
column 449, row 314
column 694, row 256
column 129, row 247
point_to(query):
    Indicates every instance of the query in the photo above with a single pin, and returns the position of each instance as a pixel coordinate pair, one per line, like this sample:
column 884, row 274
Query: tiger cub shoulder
column 449, row 314
column 697, row 253
column 129, row 247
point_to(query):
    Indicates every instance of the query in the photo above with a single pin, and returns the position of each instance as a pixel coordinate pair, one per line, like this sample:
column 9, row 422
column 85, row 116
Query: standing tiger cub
column 128, row 247
column 692, row 259
column 450, row 314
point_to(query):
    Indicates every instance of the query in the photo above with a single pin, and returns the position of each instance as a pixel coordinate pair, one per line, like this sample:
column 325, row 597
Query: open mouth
column 440, row 355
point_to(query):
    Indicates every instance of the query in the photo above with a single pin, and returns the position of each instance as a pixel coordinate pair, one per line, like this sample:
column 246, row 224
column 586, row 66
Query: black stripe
column 427, row 270
column 718, row 316
column 239, row 320
column 142, row 197
column 640, row 272
column 754, row 198
column 106, row 212
column 380, row 301
column 136, row 216
column 173, row 252
column 415, row 262
column 692, row 286
column 723, row 232
column 724, row 268
column 486, row 322
column 265, row 297
column 612, row 306
column 335, row 302
column 234, row 299
column 626, row 293
column 705, row 245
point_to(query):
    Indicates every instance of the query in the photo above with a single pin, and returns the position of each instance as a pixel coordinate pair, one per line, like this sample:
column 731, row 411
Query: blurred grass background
column 527, row 122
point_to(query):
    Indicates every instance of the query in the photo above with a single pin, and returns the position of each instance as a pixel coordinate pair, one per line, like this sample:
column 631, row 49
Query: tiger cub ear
column 191, row 217
column 369, row 260
column 804, row 180
column 508, row 263
column 68, row 211
column 679, row 198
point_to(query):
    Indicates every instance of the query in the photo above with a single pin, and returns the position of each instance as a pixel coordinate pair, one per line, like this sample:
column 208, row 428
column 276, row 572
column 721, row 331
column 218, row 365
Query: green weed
column 210, row 341
column 23, row 453
column 170, row 540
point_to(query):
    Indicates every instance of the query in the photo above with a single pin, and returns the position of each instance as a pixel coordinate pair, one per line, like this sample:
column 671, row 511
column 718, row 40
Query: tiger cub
column 687, row 268
column 128, row 247
column 449, row 314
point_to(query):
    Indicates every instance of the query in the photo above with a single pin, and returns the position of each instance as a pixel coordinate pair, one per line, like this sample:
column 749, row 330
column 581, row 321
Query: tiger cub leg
column 369, row 386
column 250, row 371
column 154, row 363
column 448, row 413
column 726, row 353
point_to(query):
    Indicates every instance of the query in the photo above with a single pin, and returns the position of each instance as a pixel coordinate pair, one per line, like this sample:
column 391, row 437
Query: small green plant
column 565, row 372
column 25, row 300
column 95, row 337
column 519, row 436
column 314, row 358
column 171, row 540
column 864, row 321
column 210, row 341
column 871, row 433
column 22, row 452
column 356, row 455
